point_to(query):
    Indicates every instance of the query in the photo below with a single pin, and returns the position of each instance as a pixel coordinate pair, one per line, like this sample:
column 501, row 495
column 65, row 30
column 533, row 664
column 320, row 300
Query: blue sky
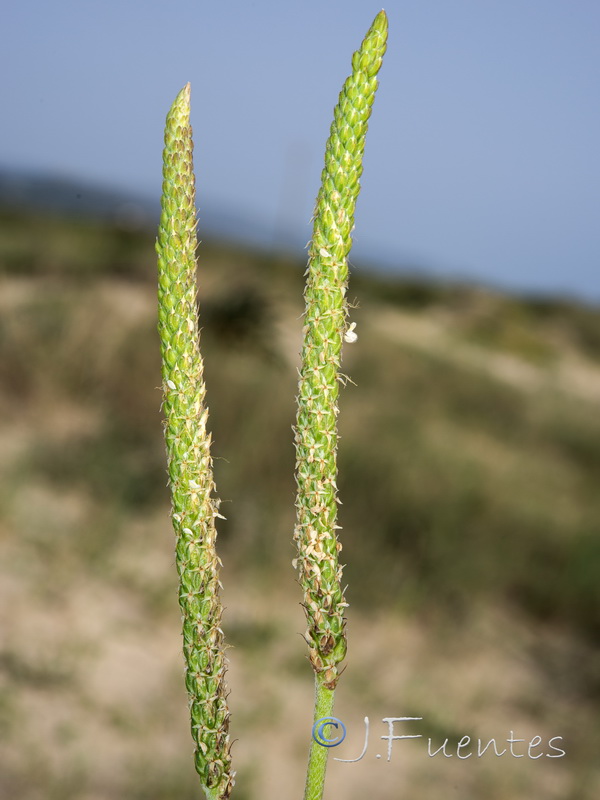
column 482, row 156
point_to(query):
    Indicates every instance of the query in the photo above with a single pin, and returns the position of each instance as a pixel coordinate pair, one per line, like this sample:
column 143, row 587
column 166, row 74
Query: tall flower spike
column 316, row 426
column 325, row 319
column 189, row 460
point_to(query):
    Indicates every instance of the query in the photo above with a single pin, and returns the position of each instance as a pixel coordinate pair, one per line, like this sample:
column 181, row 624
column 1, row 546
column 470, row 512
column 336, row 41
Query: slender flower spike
column 316, row 435
column 324, row 328
column 189, row 458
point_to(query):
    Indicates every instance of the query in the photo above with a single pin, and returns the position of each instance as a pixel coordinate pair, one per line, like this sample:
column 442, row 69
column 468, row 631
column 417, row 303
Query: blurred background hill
column 469, row 473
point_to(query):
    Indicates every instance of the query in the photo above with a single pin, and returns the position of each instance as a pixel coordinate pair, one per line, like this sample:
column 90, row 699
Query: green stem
column 317, row 759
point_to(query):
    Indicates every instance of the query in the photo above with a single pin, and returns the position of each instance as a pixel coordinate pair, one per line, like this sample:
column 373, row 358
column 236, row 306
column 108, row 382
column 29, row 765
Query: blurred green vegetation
column 462, row 484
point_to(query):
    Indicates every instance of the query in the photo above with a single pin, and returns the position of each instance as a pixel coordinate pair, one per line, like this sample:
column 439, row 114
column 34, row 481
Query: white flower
column 350, row 335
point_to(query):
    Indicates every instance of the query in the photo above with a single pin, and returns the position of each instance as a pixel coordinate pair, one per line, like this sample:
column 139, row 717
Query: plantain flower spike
column 194, row 507
column 324, row 328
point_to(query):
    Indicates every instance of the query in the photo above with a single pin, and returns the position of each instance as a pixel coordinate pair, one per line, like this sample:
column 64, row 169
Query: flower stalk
column 317, row 561
column 194, row 507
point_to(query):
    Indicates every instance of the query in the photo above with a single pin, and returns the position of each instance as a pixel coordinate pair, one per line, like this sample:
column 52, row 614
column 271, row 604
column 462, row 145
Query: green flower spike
column 189, row 459
column 316, row 427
